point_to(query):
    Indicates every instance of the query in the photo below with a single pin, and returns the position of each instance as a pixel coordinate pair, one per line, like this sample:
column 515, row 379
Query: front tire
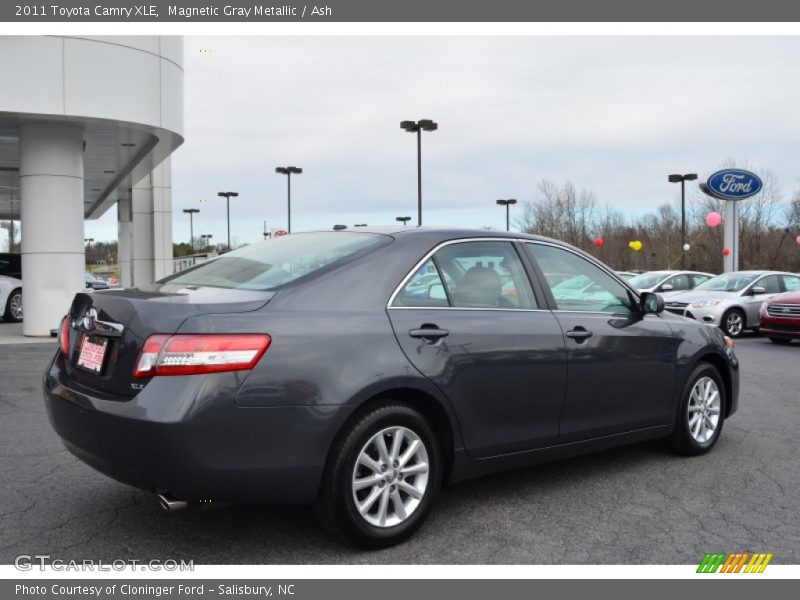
column 13, row 310
column 701, row 412
column 733, row 322
column 382, row 476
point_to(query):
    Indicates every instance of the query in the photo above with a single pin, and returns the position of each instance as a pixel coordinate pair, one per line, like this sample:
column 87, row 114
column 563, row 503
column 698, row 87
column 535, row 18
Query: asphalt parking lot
column 632, row 505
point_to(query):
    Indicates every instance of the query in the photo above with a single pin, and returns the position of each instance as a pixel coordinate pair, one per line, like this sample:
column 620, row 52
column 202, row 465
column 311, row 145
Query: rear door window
column 791, row 283
column 485, row 274
column 424, row 289
column 481, row 274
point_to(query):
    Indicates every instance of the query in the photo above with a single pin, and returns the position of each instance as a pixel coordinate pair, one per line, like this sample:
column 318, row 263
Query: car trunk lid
column 119, row 321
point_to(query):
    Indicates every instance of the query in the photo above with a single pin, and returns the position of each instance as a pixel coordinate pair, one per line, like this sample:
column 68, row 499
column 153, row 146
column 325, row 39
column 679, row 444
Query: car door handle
column 579, row 334
column 428, row 331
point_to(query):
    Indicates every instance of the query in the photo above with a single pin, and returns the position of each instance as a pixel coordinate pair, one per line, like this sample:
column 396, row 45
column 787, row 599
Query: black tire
column 724, row 325
column 681, row 439
column 336, row 506
column 8, row 315
column 780, row 341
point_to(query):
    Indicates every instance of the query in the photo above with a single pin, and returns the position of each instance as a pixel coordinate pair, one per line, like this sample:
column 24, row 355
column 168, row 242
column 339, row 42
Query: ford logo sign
column 734, row 184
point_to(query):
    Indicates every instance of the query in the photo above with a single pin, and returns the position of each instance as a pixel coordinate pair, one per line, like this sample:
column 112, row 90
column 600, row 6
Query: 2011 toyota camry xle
column 360, row 371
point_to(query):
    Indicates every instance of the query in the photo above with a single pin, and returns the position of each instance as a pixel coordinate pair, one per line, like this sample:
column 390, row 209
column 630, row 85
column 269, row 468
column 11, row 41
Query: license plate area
column 92, row 354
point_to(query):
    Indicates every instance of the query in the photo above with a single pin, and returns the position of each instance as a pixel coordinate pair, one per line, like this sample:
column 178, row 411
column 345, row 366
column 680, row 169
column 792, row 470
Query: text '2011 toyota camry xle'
column 360, row 371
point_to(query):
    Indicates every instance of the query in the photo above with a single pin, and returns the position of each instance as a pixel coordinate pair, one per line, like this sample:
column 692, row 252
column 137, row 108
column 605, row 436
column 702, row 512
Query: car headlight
column 706, row 303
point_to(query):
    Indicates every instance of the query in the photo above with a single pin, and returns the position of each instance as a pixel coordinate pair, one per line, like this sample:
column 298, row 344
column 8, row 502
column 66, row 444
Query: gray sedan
column 731, row 300
column 330, row 369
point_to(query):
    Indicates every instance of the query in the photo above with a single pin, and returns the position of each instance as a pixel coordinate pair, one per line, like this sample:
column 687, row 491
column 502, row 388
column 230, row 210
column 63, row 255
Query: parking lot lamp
column 191, row 212
column 228, row 196
column 403, row 220
column 507, row 203
column 418, row 127
column 675, row 178
column 288, row 172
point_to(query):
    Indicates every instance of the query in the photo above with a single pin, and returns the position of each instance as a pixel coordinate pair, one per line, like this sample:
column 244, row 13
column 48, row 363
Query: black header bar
column 153, row 11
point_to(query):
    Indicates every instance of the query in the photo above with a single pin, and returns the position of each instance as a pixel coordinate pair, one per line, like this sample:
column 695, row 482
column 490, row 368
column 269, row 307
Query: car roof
column 443, row 232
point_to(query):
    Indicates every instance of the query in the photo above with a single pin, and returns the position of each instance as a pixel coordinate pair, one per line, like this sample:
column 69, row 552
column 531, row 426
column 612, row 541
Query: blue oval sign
column 734, row 184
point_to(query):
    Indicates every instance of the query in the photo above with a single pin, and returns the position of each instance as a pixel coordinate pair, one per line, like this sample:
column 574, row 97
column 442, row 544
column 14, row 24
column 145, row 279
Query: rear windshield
column 278, row 261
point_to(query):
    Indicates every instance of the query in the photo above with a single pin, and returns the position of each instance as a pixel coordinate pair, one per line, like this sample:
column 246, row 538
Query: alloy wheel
column 15, row 306
column 734, row 324
column 390, row 476
column 704, row 409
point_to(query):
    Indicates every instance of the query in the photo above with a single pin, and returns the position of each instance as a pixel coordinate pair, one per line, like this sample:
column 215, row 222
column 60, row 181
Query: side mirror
column 666, row 287
column 651, row 303
column 758, row 290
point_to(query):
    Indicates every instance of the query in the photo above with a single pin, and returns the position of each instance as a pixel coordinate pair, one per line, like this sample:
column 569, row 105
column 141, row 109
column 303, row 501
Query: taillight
column 192, row 354
column 63, row 336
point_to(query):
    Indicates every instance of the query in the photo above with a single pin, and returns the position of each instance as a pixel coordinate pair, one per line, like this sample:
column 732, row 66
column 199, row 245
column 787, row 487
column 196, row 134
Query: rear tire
column 733, row 322
column 701, row 412
column 373, row 497
column 13, row 310
column 780, row 341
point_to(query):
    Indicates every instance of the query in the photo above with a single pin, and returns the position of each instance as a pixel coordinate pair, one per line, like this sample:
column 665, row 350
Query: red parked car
column 779, row 318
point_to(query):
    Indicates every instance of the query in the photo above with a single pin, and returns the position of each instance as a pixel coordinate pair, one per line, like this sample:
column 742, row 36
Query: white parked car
column 11, row 299
column 668, row 283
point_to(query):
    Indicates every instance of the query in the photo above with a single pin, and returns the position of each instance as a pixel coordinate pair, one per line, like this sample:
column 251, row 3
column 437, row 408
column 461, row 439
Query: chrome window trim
column 433, row 251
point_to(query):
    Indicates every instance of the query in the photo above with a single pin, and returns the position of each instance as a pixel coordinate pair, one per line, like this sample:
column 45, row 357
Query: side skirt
column 466, row 467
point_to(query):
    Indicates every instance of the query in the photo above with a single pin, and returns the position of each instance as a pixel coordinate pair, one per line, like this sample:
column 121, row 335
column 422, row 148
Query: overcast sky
column 611, row 114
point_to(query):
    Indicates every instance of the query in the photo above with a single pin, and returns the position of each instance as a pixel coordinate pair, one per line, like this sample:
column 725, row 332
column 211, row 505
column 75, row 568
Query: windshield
column 278, row 261
column 727, row 282
column 647, row 280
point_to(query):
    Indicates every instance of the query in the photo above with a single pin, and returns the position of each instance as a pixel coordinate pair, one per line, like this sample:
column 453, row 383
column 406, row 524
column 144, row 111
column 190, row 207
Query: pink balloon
column 726, row 252
column 797, row 239
column 713, row 219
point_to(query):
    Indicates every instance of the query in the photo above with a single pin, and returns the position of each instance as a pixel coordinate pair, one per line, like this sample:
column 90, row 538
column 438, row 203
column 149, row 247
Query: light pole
column 206, row 237
column 418, row 127
column 288, row 172
column 191, row 212
column 403, row 220
column 360, row 225
column 228, row 196
column 507, row 204
column 88, row 242
column 683, row 179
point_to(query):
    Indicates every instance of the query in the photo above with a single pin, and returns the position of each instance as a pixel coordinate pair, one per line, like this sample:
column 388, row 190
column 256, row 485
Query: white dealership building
column 87, row 124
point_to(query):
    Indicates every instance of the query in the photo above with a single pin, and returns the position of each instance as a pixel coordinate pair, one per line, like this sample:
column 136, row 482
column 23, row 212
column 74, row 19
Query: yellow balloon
column 635, row 245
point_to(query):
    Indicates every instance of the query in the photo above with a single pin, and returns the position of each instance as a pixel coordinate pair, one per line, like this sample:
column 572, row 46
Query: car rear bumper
column 218, row 451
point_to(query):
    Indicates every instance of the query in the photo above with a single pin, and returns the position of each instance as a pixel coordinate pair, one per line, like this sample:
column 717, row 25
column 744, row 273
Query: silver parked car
column 668, row 283
column 731, row 300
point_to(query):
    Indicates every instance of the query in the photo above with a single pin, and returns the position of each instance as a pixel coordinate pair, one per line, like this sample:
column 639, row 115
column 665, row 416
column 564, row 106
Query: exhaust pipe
column 170, row 503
